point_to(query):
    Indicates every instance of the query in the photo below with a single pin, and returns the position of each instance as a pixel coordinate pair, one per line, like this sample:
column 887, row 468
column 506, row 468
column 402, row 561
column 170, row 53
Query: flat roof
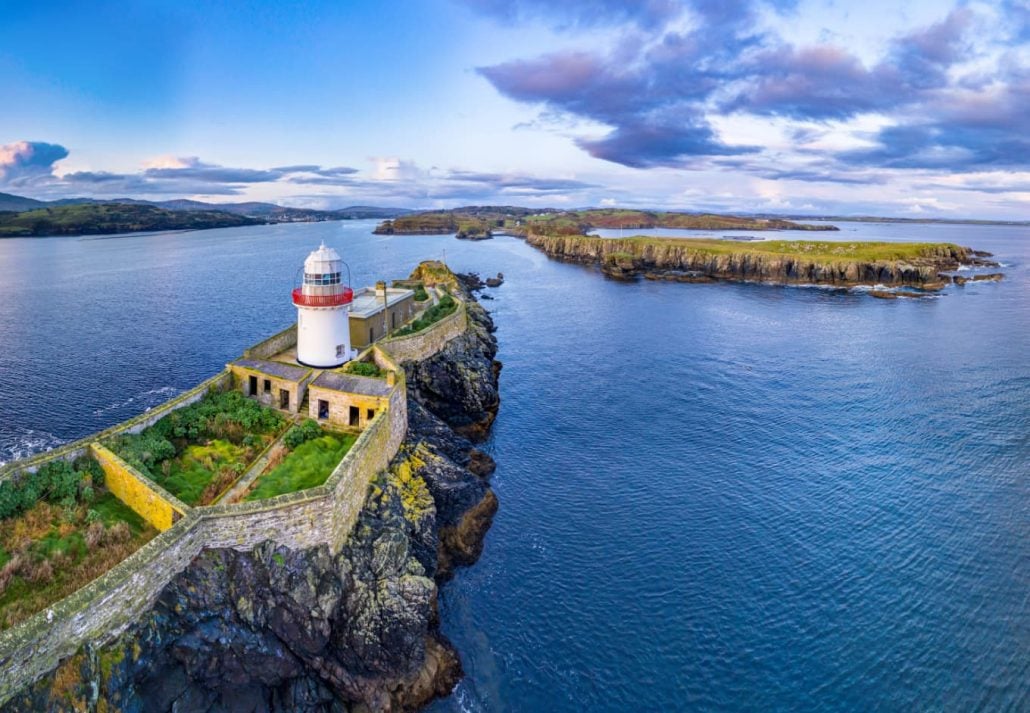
column 274, row 368
column 367, row 303
column 352, row 383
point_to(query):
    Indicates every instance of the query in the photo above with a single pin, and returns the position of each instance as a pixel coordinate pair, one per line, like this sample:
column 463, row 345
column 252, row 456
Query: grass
column 814, row 250
column 51, row 550
column 195, row 453
column 446, row 306
column 201, row 472
column 307, row 466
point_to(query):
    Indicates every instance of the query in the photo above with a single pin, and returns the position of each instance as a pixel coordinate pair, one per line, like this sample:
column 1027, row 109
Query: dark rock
column 992, row 277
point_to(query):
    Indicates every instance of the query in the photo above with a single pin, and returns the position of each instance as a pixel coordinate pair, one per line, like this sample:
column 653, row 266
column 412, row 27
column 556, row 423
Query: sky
column 843, row 107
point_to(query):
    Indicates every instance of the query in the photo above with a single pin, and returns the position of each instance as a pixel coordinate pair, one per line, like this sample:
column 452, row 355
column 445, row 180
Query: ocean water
column 713, row 497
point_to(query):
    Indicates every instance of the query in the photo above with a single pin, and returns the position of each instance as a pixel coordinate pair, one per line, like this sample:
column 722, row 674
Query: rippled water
column 722, row 497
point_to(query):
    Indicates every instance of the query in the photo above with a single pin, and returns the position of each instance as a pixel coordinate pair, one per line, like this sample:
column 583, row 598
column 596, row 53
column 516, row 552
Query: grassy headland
column 783, row 261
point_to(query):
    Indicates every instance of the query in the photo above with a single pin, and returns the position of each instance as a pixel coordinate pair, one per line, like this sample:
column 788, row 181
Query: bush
column 56, row 482
column 446, row 306
column 363, row 368
column 302, row 433
column 420, row 294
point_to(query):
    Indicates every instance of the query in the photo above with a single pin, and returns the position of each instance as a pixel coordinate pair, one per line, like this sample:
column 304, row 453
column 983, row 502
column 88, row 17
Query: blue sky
column 791, row 106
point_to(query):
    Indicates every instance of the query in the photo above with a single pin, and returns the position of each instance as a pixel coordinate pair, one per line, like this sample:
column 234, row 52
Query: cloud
column 24, row 161
column 952, row 95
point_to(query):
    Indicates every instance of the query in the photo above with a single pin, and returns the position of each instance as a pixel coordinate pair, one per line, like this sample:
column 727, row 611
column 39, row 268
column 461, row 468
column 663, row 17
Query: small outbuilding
column 347, row 400
column 273, row 383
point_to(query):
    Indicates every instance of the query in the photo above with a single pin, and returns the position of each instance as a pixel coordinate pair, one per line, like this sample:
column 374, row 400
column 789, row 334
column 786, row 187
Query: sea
column 713, row 497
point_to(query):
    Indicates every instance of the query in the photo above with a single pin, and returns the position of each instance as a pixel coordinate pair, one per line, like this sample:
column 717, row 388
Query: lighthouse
column 323, row 304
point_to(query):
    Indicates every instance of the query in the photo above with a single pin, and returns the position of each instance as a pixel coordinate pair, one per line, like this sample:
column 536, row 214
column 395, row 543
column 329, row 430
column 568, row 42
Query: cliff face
column 680, row 259
column 280, row 630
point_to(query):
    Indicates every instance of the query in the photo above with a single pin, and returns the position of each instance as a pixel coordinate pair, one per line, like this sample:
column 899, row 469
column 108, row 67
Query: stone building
column 376, row 311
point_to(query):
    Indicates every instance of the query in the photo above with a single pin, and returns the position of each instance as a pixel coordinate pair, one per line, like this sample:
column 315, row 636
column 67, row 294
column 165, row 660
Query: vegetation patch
column 196, row 452
column 446, row 306
column 307, row 465
column 72, row 531
column 363, row 368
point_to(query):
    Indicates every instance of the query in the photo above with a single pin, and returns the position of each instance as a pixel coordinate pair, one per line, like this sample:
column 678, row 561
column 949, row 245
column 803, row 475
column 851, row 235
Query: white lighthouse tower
column 323, row 305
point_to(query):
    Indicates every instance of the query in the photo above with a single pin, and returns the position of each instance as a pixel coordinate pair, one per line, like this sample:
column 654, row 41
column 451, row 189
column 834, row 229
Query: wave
column 147, row 399
column 23, row 443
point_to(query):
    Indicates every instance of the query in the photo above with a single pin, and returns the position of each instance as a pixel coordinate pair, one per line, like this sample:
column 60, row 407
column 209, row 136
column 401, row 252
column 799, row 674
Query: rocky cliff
column 845, row 264
column 313, row 630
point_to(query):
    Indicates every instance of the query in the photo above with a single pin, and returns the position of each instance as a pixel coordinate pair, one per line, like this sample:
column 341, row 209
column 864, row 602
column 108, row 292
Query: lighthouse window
column 329, row 278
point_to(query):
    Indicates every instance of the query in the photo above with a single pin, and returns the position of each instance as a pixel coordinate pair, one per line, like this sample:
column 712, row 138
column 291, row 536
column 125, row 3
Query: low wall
column 425, row 343
column 146, row 498
column 273, row 345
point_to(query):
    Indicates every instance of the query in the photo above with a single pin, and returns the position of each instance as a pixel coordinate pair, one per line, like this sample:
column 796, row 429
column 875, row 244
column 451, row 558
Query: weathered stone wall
column 340, row 404
column 296, row 390
column 103, row 609
column 274, row 344
column 147, row 499
column 423, row 344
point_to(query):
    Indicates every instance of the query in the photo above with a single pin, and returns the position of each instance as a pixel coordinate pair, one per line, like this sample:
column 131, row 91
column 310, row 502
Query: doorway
column 284, row 399
column 355, row 416
column 252, row 391
column 323, row 409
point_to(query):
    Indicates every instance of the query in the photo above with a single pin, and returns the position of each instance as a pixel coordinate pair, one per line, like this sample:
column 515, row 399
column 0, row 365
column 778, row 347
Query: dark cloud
column 26, row 161
column 194, row 169
column 658, row 91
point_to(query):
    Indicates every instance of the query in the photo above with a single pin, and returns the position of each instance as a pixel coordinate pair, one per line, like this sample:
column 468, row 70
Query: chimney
column 391, row 377
column 380, row 288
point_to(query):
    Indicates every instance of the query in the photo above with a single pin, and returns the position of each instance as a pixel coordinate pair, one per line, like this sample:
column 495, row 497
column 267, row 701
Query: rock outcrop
column 275, row 629
column 704, row 260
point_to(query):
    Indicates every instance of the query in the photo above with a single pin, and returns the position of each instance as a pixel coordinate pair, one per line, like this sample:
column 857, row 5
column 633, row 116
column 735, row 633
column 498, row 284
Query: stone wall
column 425, row 343
column 326, row 514
column 296, row 389
column 146, row 498
column 274, row 344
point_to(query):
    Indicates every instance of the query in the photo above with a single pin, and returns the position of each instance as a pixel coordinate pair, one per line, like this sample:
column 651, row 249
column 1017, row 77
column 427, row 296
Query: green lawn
column 200, row 470
column 308, row 465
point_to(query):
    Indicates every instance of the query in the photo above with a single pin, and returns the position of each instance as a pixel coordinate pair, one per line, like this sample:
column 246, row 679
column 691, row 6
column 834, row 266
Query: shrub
column 363, row 368
column 302, row 433
column 446, row 306
column 420, row 294
column 56, row 482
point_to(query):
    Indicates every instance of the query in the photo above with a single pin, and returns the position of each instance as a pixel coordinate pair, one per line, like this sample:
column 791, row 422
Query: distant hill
column 268, row 212
column 108, row 218
column 483, row 220
column 9, row 202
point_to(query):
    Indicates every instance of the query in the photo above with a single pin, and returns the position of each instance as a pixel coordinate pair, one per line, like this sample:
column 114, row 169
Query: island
column 845, row 264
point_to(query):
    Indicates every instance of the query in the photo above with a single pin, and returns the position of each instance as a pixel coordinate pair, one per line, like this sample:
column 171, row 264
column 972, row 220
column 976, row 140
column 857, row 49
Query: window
column 328, row 278
column 268, row 386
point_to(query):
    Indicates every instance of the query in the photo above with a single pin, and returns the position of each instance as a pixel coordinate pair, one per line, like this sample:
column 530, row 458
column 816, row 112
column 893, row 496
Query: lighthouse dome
column 323, row 260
